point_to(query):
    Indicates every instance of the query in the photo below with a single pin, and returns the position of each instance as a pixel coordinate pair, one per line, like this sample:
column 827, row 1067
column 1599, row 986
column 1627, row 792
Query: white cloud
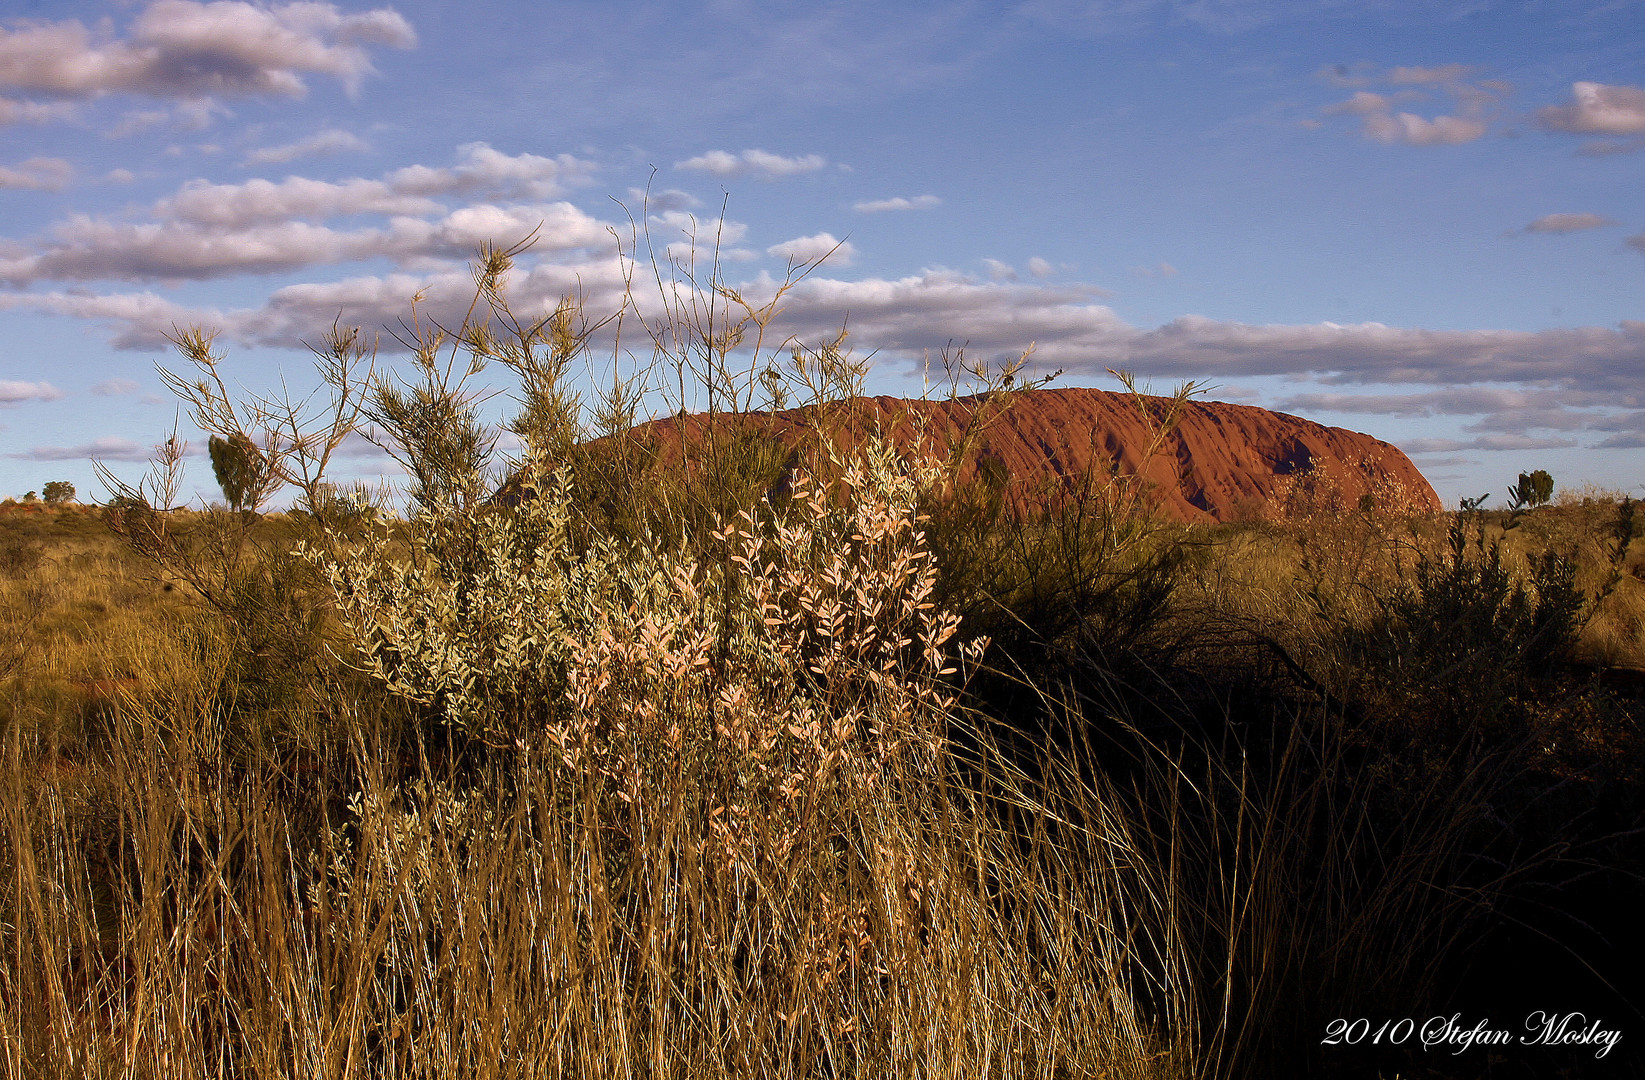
column 38, row 173
column 215, row 230
column 329, row 141
column 258, row 201
column 1379, row 120
column 304, row 312
column 812, row 249
column 1000, row 271
column 1551, row 385
column 92, row 249
column 1598, row 109
column 1564, row 223
column 1471, row 400
column 1042, row 268
column 1363, row 103
column 115, row 387
column 1503, row 413
column 184, row 50
column 1628, row 429
column 481, row 172
column 703, row 232
column 107, row 448
column 661, row 202
column 927, row 311
column 1485, row 442
column 13, row 111
column 481, row 169
column 137, row 320
column 15, row 393
column 757, row 163
column 1414, row 130
column 880, row 206
column 119, row 176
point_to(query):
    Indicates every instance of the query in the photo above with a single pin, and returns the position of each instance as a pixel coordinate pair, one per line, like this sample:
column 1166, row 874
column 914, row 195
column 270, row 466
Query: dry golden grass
column 394, row 905
column 575, row 907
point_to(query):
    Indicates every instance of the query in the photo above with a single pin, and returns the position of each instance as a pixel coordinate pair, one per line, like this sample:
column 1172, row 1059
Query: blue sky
column 1422, row 220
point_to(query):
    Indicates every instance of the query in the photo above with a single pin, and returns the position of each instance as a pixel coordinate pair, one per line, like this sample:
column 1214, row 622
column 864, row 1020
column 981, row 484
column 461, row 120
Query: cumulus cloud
column 107, row 448
column 38, row 173
column 1485, row 442
column 811, row 249
column 1552, row 387
column 1470, row 400
column 115, row 387
column 880, row 206
column 1071, row 327
column 483, row 170
column 13, row 111
column 330, row 141
column 305, row 311
column 1502, row 412
column 1042, row 268
column 1524, row 388
column 15, row 393
column 1628, row 431
column 756, row 163
column 1381, row 119
column 1412, row 129
column 91, row 249
column 135, row 320
column 182, row 49
column 660, row 202
column 1564, row 223
column 1597, row 109
column 1363, row 103
column 210, row 230
column 238, row 205
column 700, row 231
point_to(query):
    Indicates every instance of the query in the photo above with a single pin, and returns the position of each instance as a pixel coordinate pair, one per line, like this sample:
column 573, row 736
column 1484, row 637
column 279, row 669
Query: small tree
column 58, row 491
column 1534, row 489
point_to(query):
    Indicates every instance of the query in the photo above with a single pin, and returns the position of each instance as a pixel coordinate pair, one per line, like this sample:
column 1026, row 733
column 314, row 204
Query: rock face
column 1221, row 462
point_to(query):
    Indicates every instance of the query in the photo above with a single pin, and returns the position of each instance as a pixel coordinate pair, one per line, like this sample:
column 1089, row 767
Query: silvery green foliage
column 801, row 654
column 474, row 622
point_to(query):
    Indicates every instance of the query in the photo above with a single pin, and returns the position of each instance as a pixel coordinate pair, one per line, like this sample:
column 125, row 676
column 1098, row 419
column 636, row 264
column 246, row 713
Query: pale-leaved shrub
column 799, row 665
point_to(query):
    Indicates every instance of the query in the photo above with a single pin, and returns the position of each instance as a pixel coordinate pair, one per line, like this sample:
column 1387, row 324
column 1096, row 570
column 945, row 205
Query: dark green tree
column 58, row 491
column 1534, row 489
column 242, row 470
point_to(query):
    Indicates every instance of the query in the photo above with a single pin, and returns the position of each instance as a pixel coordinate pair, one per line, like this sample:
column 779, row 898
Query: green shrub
column 1468, row 616
column 242, row 470
column 1534, row 489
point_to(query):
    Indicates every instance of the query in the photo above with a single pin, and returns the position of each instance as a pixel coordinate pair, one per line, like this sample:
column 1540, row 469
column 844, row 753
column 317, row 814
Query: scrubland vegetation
column 770, row 763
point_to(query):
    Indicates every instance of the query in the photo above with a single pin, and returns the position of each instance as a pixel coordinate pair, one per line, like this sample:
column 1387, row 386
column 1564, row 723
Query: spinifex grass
column 404, row 916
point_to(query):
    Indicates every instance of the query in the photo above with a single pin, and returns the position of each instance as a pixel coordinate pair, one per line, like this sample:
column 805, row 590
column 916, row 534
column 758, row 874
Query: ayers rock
column 1221, row 463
